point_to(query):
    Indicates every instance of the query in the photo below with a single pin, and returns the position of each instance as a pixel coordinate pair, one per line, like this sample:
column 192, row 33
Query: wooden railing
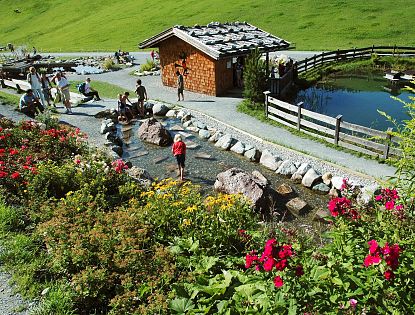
column 278, row 86
column 334, row 130
column 348, row 54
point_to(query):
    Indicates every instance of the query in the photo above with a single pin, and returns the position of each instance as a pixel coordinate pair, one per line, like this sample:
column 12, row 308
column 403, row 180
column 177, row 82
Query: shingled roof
column 220, row 40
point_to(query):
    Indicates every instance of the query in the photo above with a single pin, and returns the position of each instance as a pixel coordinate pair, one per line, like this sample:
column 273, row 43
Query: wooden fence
column 355, row 53
column 334, row 130
column 279, row 86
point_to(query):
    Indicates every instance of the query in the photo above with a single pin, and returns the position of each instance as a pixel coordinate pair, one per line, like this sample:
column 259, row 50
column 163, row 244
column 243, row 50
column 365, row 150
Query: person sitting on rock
column 29, row 104
column 124, row 109
column 89, row 91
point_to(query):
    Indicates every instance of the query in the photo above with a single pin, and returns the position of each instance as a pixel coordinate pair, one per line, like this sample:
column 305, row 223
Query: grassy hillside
column 102, row 25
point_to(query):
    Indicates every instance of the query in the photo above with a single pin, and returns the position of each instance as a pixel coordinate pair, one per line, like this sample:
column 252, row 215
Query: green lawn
column 103, row 25
column 106, row 90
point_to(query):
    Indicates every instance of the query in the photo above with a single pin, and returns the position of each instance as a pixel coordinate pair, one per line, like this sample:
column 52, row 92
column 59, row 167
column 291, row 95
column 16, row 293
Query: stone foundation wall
column 205, row 75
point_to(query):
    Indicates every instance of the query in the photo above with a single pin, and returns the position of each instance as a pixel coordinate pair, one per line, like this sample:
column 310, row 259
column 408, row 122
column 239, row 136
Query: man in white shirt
column 90, row 92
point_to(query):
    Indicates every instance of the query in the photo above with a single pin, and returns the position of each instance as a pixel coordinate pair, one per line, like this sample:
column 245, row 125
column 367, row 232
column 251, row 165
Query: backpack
column 81, row 88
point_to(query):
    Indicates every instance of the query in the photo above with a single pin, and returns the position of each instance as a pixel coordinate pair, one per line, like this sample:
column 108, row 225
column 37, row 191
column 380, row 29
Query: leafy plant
column 254, row 77
column 148, row 66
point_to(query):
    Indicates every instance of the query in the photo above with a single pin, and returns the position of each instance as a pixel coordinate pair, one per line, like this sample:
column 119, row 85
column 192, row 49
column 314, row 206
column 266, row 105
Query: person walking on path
column 90, row 92
column 63, row 86
column 179, row 151
column 180, row 85
column 141, row 92
column 35, row 84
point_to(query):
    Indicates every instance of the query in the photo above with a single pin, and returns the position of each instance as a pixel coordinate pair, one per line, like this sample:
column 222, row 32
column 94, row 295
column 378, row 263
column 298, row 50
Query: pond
column 357, row 98
column 203, row 162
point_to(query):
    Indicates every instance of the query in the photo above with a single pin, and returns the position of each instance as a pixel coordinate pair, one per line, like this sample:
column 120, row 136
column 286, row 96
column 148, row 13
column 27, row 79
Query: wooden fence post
column 394, row 50
column 3, row 85
column 337, row 130
column 373, row 49
column 266, row 93
column 305, row 65
column 387, row 144
column 300, row 106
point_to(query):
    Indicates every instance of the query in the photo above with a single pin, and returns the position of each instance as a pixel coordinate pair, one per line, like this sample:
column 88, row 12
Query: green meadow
column 103, row 25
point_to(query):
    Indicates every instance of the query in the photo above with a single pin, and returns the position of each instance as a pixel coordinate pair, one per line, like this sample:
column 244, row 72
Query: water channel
column 203, row 162
column 357, row 98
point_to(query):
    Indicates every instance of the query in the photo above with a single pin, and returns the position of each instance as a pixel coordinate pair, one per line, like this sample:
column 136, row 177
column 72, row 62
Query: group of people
column 128, row 110
column 39, row 95
column 122, row 56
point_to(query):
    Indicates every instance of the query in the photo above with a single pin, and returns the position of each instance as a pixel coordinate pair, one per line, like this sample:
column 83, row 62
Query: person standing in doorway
column 179, row 151
column 35, row 84
column 180, row 85
column 141, row 92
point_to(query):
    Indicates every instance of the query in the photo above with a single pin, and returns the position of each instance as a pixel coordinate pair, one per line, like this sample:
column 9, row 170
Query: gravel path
column 224, row 110
column 10, row 302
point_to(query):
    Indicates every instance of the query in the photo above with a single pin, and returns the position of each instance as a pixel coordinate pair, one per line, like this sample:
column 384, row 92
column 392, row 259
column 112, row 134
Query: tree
column 255, row 79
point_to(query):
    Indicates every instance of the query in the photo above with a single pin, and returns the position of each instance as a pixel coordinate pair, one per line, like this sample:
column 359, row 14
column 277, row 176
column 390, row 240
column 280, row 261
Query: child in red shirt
column 179, row 151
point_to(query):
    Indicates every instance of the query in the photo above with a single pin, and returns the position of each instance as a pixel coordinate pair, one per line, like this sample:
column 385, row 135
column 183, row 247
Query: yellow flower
column 191, row 209
column 186, row 222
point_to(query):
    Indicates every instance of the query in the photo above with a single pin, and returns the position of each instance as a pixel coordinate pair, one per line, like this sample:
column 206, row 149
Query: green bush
column 254, row 76
column 148, row 66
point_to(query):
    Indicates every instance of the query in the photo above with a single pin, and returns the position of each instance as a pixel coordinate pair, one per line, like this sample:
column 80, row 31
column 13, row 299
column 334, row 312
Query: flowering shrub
column 390, row 256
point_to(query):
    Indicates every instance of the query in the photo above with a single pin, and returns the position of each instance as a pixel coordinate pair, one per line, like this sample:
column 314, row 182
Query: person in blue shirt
column 29, row 104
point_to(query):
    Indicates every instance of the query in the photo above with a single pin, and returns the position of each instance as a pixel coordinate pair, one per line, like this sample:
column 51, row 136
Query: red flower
column 269, row 264
column 389, row 205
column 13, row 151
column 278, row 282
column 372, row 260
column 250, row 259
column 3, row 174
column 389, row 275
column 373, row 246
column 281, row 265
column 15, row 175
column 299, row 271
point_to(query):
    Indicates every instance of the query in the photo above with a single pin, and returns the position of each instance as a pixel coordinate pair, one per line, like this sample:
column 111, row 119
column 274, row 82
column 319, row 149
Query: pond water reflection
column 357, row 98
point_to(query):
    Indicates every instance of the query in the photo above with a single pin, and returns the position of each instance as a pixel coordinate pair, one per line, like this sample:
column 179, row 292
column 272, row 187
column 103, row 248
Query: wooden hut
column 206, row 55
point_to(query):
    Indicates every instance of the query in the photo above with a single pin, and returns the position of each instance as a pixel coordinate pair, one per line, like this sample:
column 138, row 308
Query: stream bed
column 203, row 162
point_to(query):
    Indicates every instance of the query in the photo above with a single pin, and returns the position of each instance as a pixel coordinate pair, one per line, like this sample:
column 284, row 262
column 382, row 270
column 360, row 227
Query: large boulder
column 269, row 160
column 153, row 131
column 252, row 154
column 216, row 136
column 238, row 147
column 235, row 181
column 225, row 142
column 287, row 168
column 310, row 178
column 140, row 175
column 204, row 134
column 303, row 168
column 107, row 125
column 160, row 109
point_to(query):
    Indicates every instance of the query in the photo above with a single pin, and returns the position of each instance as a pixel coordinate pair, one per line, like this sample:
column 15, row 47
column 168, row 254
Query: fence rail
column 348, row 54
column 334, row 130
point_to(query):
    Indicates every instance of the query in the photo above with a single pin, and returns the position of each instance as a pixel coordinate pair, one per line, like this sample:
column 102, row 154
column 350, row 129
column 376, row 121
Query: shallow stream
column 203, row 162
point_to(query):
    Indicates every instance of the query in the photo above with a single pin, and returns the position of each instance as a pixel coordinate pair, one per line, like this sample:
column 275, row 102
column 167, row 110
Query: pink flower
column 372, row 260
column 389, row 205
column 278, row 282
column 281, row 265
column 269, row 264
column 399, row 207
column 353, row 303
column 378, row 198
column 373, row 246
column 250, row 259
